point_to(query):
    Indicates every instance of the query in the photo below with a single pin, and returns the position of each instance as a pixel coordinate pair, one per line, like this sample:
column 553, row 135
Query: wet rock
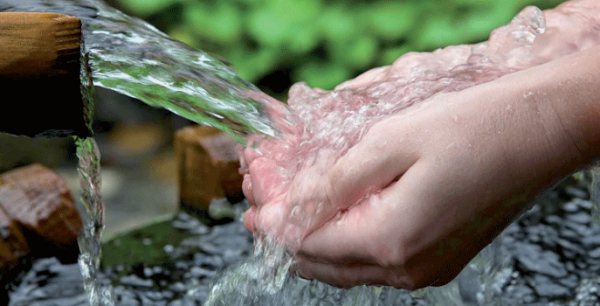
column 40, row 201
column 582, row 230
column 583, row 217
column 221, row 209
column 532, row 258
column 595, row 253
column 198, row 272
column 591, row 241
column 214, row 262
column 576, row 192
column 545, row 288
column 570, row 266
column 133, row 280
column 569, row 249
column 520, row 292
column 62, row 285
column 208, row 167
column 13, row 245
column 588, row 293
column 125, row 297
column 553, row 220
column 178, row 287
column 188, row 223
column 569, row 234
column 571, row 281
column 542, row 234
column 577, row 205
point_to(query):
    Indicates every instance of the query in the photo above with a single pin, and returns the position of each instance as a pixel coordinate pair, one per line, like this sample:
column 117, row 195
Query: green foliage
column 221, row 23
column 390, row 20
column 323, row 75
column 324, row 42
column 144, row 8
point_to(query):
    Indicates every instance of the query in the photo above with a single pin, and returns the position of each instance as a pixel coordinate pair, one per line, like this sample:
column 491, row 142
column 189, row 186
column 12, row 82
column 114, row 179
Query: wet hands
column 285, row 209
column 408, row 206
column 426, row 189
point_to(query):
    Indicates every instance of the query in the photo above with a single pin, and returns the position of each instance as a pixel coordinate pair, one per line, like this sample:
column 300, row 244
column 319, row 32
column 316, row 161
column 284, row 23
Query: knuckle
column 388, row 255
column 330, row 188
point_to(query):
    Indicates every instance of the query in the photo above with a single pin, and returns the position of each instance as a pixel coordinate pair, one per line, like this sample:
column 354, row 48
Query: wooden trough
column 40, row 75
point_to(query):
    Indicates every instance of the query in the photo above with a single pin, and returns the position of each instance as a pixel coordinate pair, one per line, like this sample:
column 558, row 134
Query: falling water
column 132, row 57
column 93, row 222
column 264, row 280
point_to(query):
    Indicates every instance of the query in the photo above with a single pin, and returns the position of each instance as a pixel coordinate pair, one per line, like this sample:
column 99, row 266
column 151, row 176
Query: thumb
column 377, row 160
column 368, row 167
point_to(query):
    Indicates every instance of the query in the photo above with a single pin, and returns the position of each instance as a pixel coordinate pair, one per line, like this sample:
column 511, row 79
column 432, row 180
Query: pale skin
column 468, row 163
column 453, row 172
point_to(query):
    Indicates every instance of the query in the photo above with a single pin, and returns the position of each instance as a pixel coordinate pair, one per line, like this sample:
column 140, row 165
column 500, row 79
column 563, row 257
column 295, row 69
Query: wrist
column 571, row 90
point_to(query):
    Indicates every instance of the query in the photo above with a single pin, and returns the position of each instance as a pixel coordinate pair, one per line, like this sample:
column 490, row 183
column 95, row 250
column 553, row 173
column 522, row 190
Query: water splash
column 264, row 280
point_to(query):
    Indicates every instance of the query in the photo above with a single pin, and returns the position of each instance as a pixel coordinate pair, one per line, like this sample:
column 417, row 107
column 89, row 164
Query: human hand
column 443, row 178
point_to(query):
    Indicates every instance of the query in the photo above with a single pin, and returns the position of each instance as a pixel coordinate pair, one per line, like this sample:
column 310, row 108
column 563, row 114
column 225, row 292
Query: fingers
column 250, row 219
column 346, row 276
column 365, row 79
column 375, row 231
column 247, row 189
column 266, row 180
column 373, row 163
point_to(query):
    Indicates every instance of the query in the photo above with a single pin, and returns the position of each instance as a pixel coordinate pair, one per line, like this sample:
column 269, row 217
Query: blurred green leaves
column 323, row 42
column 220, row 22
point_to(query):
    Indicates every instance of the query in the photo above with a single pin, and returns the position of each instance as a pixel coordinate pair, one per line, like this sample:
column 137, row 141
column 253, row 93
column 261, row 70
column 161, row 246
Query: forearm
column 572, row 87
column 548, row 115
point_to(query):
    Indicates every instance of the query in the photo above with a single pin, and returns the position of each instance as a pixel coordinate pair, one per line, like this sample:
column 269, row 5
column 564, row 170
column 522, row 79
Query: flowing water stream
column 129, row 56
column 132, row 57
column 93, row 222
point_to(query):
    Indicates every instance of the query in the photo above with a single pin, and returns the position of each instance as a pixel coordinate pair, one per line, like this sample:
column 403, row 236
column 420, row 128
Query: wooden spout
column 40, row 75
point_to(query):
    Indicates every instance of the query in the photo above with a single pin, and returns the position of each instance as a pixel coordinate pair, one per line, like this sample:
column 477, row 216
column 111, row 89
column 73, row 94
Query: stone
column 580, row 217
column 41, row 203
column 545, row 288
column 62, row 285
column 569, row 234
column 208, row 167
column 133, row 280
column 570, row 249
column 13, row 244
column 595, row 253
column 532, row 258
column 577, row 205
column 582, row 230
column 571, row 281
column 576, row 192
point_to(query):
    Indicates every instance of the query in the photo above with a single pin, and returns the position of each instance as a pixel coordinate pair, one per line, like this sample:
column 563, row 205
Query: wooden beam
column 208, row 167
column 39, row 75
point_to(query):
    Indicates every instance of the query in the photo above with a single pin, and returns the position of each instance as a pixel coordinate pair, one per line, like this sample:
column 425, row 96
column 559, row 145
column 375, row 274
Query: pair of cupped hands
column 424, row 190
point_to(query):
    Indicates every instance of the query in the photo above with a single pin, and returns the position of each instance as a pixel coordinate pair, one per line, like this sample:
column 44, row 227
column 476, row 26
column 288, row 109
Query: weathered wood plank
column 40, row 75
